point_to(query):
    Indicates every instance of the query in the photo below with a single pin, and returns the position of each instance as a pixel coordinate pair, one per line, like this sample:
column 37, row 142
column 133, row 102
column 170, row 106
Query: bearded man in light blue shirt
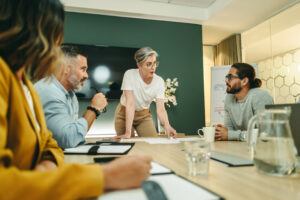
column 60, row 102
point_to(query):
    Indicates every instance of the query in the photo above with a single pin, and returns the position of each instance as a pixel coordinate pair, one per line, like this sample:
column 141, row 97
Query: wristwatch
column 95, row 110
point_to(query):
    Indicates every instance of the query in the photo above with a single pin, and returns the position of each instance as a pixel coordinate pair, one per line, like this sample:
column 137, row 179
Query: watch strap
column 97, row 112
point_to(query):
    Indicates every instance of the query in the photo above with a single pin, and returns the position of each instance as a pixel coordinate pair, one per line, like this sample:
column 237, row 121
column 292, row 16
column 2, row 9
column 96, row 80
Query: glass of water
column 197, row 154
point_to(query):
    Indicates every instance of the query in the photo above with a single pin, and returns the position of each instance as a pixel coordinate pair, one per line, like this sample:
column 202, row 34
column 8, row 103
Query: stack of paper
column 158, row 140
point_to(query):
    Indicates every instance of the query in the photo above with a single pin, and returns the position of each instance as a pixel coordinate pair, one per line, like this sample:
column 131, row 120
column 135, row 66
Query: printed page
column 118, row 149
column 159, row 169
column 79, row 149
column 154, row 140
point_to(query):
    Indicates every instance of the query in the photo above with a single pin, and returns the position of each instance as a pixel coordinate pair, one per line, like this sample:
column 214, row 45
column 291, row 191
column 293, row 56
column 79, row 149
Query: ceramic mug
column 208, row 133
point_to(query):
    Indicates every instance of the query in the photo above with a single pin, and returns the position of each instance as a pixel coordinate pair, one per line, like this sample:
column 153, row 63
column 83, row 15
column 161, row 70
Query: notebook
column 294, row 121
column 106, row 148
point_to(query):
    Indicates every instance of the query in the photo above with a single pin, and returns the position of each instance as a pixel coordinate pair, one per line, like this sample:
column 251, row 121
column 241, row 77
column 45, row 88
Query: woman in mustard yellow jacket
column 31, row 163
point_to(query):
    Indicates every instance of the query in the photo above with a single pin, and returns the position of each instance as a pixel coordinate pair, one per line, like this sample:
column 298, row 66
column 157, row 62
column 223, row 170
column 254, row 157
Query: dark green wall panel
column 179, row 46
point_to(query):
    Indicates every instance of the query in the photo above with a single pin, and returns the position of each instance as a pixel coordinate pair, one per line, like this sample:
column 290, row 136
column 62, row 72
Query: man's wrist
column 95, row 110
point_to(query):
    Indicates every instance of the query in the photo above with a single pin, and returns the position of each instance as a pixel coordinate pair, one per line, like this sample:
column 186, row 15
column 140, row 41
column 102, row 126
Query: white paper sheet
column 174, row 187
column 154, row 140
column 159, row 169
column 134, row 194
column 187, row 139
column 79, row 149
column 113, row 148
column 177, row 188
column 158, row 140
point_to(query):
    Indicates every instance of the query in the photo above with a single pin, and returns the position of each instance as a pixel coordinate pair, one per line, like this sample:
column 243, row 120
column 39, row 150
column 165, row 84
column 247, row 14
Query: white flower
column 171, row 87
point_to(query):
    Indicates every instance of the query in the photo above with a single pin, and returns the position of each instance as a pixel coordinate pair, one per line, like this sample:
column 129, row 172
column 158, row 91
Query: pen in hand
column 97, row 91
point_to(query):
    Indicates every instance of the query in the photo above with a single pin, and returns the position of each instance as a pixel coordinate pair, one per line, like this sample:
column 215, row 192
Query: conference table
column 229, row 182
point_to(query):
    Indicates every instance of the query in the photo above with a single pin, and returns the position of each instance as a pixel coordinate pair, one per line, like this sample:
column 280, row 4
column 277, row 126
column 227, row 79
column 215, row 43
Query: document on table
column 154, row 140
column 173, row 186
column 79, row 149
column 158, row 140
column 157, row 168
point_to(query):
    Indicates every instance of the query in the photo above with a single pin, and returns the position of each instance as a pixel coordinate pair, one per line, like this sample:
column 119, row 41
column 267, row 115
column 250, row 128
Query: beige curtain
column 229, row 51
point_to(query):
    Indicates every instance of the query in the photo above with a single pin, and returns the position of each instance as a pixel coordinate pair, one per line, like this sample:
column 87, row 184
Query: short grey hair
column 143, row 53
column 71, row 54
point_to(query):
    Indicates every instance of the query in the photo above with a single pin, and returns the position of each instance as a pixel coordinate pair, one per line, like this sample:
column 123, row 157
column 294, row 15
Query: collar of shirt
column 69, row 94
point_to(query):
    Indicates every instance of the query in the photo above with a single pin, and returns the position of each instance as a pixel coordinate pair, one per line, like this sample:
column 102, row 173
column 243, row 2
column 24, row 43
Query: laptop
column 294, row 121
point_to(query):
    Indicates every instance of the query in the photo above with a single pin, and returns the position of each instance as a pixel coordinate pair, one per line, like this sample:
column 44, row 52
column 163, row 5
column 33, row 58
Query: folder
column 105, row 148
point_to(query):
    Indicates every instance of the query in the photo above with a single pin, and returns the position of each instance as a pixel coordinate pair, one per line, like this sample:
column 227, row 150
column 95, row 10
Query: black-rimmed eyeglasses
column 229, row 77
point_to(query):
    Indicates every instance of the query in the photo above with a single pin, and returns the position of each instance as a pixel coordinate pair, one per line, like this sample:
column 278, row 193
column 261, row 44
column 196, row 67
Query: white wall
column 275, row 36
column 275, row 46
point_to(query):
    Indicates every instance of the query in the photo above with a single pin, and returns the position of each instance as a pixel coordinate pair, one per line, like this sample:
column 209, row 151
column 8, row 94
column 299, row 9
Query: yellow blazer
column 22, row 147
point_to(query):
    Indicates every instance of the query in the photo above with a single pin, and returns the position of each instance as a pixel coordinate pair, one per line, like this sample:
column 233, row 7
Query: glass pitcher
column 271, row 144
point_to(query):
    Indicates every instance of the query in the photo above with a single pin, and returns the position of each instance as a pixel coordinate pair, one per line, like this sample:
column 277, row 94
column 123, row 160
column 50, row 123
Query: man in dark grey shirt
column 243, row 101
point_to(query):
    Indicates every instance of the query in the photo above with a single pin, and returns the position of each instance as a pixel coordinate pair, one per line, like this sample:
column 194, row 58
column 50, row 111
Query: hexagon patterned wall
column 281, row 76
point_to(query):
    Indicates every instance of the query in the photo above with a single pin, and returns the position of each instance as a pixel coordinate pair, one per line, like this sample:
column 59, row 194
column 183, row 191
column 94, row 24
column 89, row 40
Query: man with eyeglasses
column 243, row 100
column 140, row 87
column 60, row 103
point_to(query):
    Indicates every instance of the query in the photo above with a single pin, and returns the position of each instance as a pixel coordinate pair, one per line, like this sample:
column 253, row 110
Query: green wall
column 178, row 44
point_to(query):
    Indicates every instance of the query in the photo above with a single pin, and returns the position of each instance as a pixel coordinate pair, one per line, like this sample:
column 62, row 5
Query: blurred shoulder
column 47, row 89
column 131, row 72
column 259, row 92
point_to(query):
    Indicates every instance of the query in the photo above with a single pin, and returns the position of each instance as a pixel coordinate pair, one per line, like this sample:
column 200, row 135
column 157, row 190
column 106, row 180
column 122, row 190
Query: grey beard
column 76, row 84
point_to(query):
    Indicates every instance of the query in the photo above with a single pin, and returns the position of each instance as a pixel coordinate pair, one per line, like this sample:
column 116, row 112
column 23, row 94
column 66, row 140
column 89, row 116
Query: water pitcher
column 271, row 144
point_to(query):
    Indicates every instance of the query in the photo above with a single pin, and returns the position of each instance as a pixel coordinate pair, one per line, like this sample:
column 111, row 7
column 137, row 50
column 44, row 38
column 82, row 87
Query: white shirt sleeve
column 127, row 81
column 161, row 90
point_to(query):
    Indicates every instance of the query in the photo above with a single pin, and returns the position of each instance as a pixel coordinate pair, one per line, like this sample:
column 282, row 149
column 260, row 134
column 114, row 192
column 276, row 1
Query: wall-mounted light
column 101, row 74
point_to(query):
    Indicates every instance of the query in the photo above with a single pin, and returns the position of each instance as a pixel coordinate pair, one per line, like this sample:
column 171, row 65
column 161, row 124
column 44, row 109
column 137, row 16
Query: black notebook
column 105, row 148
column 231, row 160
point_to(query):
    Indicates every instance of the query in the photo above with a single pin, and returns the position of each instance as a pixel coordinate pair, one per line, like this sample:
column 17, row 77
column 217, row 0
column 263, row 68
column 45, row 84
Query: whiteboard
column 218, row 92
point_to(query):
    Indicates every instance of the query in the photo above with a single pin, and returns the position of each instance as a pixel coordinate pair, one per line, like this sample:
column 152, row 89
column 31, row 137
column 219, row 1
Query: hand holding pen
column 99, row 101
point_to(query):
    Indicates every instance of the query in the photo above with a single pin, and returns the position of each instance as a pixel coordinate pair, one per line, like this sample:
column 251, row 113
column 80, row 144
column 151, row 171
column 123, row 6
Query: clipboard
column 105, row 148
column 105, row 159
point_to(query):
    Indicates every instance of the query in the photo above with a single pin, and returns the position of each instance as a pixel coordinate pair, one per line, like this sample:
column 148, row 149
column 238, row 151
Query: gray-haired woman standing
column 140, row 87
